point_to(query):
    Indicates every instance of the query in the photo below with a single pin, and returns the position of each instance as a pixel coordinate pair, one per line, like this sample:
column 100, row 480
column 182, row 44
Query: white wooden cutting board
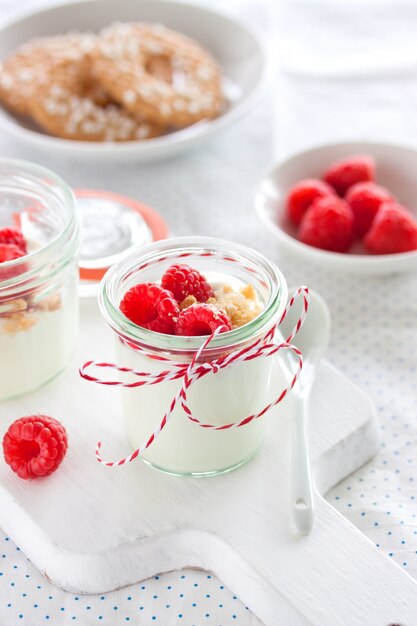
column 92, row 529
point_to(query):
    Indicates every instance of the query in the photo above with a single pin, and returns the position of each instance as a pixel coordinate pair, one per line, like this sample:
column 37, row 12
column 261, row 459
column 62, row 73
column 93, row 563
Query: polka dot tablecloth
column 374, row 336
column 186, row 597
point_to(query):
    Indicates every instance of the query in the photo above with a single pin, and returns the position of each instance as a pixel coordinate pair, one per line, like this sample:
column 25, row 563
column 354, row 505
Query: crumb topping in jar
column 21, row 314
column 240, row 306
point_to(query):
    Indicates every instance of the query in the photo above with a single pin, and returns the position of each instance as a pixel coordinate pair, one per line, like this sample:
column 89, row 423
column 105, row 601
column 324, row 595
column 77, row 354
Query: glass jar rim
column 132, row 333
column 38, row 257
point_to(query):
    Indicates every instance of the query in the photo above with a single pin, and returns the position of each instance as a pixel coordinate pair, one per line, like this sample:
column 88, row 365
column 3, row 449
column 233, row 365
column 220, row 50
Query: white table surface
column 335, row 80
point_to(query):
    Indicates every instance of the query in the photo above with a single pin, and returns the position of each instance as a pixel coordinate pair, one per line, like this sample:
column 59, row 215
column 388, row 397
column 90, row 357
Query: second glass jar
column 38, row 291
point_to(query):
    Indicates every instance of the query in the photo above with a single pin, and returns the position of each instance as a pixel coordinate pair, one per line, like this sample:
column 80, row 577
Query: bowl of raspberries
column 351, row 206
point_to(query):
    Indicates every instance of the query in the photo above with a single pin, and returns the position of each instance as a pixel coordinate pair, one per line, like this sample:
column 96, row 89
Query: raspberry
column 150, row 306
column 184, row 281
column 302, row 194
column 35, row 446
column 393, row 230
column 328, row 224
column 9, row 252
column 365, row 199
column 11, row 235
column 343, row 174
column 201, row 319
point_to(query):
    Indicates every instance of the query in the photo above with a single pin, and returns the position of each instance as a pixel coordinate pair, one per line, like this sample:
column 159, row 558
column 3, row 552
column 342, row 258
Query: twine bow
column 189, row 373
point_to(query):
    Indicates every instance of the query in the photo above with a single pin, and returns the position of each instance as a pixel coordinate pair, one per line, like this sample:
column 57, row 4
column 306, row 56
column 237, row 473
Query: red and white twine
column 193, row 371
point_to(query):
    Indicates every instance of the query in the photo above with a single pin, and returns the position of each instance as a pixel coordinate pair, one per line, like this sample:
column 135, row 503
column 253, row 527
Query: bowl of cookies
column 132, row 79
column 349, row 207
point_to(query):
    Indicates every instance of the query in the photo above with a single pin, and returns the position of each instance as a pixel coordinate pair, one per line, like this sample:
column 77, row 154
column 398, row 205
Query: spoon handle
column 302, row 492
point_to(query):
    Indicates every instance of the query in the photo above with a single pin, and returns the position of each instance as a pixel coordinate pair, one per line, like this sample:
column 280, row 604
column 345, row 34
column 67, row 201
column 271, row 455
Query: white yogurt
column 184, row 447
column 32, row 355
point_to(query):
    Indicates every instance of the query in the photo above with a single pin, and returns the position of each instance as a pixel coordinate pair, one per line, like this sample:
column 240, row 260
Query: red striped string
column 193, row 371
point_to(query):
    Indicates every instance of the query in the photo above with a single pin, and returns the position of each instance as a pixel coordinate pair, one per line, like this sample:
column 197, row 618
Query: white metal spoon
column 312, row 340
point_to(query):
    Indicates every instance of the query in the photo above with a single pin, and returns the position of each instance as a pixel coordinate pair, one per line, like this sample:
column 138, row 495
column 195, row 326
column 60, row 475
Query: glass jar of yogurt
column 38, row 291
column 230, row 395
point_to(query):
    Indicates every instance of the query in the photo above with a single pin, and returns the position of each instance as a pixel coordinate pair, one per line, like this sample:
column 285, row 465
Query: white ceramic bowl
column 396, row 168
column 237, row 48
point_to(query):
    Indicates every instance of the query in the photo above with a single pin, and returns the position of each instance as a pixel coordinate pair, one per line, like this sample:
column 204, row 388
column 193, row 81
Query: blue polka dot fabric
column 189, row 598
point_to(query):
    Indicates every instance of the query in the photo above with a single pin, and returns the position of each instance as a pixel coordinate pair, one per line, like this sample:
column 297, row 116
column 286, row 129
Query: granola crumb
column 241, row 307
column 188, row 301
column 17, row 322
column 52, row 303
column 19, row 315
column 13, row 306
column 249, row 292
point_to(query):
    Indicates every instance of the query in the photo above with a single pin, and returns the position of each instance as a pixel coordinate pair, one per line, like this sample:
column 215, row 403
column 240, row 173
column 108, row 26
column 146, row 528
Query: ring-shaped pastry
column 160, row 74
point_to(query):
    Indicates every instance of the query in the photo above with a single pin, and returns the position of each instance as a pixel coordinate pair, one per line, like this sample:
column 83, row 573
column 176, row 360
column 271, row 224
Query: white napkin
column 347, row 39
column 344, row 71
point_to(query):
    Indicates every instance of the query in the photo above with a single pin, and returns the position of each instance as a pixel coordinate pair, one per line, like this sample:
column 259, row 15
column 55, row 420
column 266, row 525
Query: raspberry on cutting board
column 152, row 307
column 183, row 281
column 393, row 230
column 13, row 236
column 35, row 446
column 201, row 319
column 343, row 174
column 328, row 224
column 365, row 200
column 302, row 194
